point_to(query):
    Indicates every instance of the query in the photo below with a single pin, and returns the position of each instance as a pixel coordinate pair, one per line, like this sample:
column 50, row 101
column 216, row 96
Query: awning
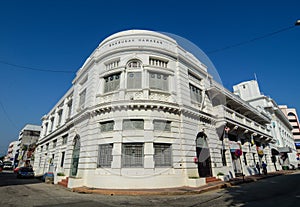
column 284, row 149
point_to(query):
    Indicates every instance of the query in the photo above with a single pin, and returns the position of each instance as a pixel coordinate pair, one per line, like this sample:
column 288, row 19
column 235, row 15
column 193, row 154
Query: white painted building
column 284, row 149
column 144, row 113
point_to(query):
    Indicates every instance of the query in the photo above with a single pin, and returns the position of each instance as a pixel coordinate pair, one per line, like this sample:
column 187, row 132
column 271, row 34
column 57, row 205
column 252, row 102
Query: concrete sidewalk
column 182, row 190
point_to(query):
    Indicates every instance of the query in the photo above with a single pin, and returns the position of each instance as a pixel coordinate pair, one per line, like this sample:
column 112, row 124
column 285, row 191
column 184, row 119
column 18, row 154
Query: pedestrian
column 258, row 167
column 264, row 168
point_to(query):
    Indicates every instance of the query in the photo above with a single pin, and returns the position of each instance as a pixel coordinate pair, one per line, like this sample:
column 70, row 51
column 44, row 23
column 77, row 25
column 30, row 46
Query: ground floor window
column 162, row 155
column 245, row 158
column 62, row 159
column 223, row 153
column 105, row 155
column 132, row 155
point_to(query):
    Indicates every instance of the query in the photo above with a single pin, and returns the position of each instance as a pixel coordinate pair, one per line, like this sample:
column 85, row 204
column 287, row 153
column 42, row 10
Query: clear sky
column 58, row 35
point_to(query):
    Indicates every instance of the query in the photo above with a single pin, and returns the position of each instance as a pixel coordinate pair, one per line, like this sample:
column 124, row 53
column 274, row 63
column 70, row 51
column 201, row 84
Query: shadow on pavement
column 8, row 178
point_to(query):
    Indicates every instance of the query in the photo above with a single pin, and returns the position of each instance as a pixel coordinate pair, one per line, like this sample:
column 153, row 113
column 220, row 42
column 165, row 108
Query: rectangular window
column 47, row 146
column 133, row 124
column 245, row 158
column 64, row 139
column 70, row 109
column 62, row 159
column 82, row 96
column 134, row 80
column 162, row 155
column 107, row 126
column 195, row 94
column 41, row 148
column 159, row 81
column 54, row 143
column 105, row 155
column 161, row 125
column 223, row 153
column 59, row 113
column 112, row 83
column 52, row 124
column 133, row 155
column 46, row 128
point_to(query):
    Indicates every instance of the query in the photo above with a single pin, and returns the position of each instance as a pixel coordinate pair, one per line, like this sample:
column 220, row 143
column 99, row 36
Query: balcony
column 240, row 120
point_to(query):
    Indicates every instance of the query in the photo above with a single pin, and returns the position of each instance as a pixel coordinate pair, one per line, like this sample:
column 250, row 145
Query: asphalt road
column 276, row 191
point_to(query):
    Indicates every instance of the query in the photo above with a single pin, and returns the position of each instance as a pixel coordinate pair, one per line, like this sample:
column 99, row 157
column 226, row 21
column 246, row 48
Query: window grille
column 107, row 126
column 134, row 80
column 195, row 94
column 112, row 83
column 161, row 125
column 105, row 155
column 133, row 124
column 132, row 155
column 162, row 155
column 159, row 81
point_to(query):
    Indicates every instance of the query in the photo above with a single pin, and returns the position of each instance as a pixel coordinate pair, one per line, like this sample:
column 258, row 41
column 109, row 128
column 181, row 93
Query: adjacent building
column 292, row 116
column 28, row 138
column 143, row 112
column 12, row 152
column 283, row 150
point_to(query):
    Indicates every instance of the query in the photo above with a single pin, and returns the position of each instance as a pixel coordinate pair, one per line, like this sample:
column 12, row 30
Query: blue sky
column 58, row 35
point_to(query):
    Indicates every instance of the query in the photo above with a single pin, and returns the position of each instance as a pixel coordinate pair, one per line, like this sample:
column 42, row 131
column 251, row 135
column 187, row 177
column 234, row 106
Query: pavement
column 185, row 190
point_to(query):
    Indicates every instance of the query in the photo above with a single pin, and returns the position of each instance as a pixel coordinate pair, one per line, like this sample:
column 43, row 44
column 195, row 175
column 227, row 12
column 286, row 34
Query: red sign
column 238, row 152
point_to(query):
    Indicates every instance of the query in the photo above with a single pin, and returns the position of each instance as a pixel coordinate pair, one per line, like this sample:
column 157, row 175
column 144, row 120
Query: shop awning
column 284, row 149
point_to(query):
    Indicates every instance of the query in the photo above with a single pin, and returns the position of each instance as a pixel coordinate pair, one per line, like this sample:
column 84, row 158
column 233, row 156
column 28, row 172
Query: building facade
column 292, row 116
column 12, row 152
column 144, row 113
column 28, row 138
column 284, row 151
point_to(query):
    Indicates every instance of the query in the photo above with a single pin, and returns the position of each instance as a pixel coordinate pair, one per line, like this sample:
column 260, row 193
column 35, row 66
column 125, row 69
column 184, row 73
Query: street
column 275, row 191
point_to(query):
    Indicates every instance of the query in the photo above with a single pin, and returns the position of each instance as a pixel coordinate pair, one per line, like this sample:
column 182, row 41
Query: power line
column 34, row 69
column 251, row 40
column 7, row 116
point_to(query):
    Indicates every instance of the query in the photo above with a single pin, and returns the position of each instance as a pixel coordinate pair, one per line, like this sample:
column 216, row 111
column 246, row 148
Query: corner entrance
column 203, row 155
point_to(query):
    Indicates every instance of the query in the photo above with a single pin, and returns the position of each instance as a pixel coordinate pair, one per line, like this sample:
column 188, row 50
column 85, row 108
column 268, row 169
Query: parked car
column 25, row 172
column 7, row 165
column 16, row 169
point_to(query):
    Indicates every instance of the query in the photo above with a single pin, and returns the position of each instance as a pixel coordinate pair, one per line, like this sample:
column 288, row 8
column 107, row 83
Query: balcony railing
column 230, row 114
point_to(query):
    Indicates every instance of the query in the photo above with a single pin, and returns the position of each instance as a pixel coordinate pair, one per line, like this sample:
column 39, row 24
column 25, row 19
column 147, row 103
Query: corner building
column 138, row 115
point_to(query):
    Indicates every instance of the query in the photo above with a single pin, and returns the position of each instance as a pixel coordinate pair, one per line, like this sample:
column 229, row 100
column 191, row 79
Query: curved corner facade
column 141, row 114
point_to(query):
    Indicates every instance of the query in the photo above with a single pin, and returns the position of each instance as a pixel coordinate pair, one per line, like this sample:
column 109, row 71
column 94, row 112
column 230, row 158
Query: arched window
column 135, row 63
column 134, row 76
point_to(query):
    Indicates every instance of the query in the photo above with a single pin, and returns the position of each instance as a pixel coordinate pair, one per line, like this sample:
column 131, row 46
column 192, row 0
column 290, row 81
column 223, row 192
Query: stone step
column 212, row 179
column 64, row 182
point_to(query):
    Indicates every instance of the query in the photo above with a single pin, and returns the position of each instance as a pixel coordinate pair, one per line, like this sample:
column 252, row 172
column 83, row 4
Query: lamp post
column 297, row 23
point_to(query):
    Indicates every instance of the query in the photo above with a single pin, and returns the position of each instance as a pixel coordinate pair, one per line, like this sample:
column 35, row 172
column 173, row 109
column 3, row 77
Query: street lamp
column 297, row 23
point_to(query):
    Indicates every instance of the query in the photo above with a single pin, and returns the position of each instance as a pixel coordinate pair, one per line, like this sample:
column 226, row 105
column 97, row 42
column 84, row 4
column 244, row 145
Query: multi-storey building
column 143, row 112
column 11, row 152
column 284, row 151
column 292, row 116
column 28, row 138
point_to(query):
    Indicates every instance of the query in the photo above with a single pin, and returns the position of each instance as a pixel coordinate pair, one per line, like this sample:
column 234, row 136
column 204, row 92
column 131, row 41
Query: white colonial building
column 283, row 150
column 143, row 112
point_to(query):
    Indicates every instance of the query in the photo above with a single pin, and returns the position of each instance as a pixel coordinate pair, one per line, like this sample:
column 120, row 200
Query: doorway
column 75, row 156
column 203, row 155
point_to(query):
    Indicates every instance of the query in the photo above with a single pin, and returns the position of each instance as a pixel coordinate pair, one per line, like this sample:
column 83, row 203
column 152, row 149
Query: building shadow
column 8, row 178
